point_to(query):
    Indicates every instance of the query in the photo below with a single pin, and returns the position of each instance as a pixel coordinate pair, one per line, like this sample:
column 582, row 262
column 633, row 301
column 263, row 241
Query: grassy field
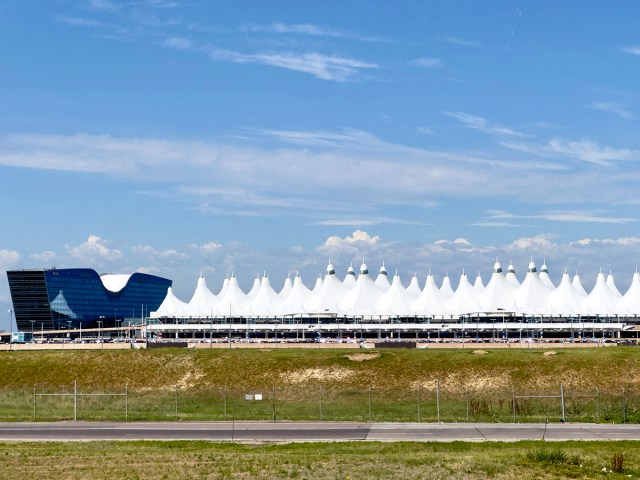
column 599, row 384
column 191, row 460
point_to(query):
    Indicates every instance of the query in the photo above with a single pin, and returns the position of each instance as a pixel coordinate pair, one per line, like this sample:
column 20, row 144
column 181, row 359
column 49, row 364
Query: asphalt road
column 312, row 431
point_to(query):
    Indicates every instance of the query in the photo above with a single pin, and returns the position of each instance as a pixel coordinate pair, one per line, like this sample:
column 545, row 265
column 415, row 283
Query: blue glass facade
column 57, row 298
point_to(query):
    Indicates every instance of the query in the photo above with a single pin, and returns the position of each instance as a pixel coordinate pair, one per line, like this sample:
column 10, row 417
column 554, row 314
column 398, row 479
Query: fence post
column 438, row 398
column 369, row 403
column 513, row 403
column 321, row 414
column 598, row 403
column 176, row 401
column 273, row 396
column 419, row 419
column 126, row 402
column 34, row 402
column 624, row 406
column 466, row 395
column 225, row 402
column 562, row 399
column 75, row 400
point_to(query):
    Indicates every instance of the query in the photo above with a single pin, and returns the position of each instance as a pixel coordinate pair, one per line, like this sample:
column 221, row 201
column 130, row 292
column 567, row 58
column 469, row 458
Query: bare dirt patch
column 327, row 374
column 361, row 357
column 479, row 352
column 549, row 353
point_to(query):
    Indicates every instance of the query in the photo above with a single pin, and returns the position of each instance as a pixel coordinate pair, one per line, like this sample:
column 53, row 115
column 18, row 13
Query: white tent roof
column 414, row 287
column 318, row 284
column 350, row 278
column 577, row 283
column 254, row 289
column 330, row 294
column 267, row 303
column 446, row 288
column 299, row 299
column 611, row 283
column 631, row 299
column 382, row 281
column 431, row 301
column 171, row 306
column 601, row 300
column 566, row 300
column 498, row 294
column 478, row 284
column 233, row 302
column 203, row 301
column 532, row 295
column 396, row 300
column 286, row 288
column 511, row 276
column 544, row 277
column 363, row 297
column 465, row 298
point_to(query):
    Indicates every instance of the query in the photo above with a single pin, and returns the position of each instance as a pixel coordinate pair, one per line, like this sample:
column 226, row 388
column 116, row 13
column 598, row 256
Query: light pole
column 10, row 327
column 99, row 330
column 80, row 332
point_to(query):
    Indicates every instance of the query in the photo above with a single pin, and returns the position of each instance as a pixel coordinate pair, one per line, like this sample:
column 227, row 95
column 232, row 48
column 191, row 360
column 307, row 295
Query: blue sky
column 175, row 137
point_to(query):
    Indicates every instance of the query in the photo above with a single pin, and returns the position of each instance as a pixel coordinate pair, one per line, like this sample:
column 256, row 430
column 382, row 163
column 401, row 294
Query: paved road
column 312, row 431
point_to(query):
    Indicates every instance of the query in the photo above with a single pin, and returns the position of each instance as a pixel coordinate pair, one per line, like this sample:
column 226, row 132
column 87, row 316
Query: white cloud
column 272, row 171
column 566, row 216
column 633, row 50
column 614, row 108
column 536, row 244
column 101, row 5
column 357, row 237
column 299, row 28
column 46, row 257
column 95, row 251
column 461, row 41
column 177, row 42
column 325, row 67
column 166, row 254
column 431, row 63
column 582, row 150
column 8, row 258
column 482, row 124
column 210, row 247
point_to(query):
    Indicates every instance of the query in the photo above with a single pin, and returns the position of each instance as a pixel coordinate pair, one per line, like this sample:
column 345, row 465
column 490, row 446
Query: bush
column 617, row 463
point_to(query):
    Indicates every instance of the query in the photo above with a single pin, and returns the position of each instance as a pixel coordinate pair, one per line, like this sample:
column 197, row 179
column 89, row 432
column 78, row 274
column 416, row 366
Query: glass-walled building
column 55, row 298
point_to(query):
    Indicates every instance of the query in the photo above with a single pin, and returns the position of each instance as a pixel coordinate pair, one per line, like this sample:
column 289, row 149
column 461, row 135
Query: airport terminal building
column 53, row 298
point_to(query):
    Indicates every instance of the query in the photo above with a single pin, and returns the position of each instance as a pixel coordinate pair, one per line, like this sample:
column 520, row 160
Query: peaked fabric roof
column 365, row 298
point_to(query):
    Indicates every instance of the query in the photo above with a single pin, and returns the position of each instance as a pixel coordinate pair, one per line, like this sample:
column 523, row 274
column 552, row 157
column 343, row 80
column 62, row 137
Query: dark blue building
column 54, row 298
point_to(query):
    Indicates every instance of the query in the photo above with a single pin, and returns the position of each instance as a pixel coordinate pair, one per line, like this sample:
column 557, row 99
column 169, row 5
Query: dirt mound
column 479, row 352
column 549, row 353
column 361, row 357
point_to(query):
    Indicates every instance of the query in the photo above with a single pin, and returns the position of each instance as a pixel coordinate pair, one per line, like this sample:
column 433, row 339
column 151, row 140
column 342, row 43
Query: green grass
column 317, row 461
column 314, row 384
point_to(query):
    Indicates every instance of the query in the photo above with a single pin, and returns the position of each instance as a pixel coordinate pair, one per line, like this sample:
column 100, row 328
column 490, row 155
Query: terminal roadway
column 313, row 431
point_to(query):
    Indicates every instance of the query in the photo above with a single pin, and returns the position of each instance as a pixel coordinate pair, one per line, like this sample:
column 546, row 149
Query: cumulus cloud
column 357, row 237
column 95, row 251
column 46, row 257
column 8, row 258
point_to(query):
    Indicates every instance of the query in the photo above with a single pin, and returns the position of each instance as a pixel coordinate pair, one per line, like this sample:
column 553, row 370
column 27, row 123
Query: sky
column 179, row 137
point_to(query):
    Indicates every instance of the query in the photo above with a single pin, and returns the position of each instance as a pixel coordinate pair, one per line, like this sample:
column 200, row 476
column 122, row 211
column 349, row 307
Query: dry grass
column 202, row 460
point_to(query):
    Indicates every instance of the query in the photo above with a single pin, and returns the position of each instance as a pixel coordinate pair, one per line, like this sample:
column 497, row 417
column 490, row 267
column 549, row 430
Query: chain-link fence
column 318, row 402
